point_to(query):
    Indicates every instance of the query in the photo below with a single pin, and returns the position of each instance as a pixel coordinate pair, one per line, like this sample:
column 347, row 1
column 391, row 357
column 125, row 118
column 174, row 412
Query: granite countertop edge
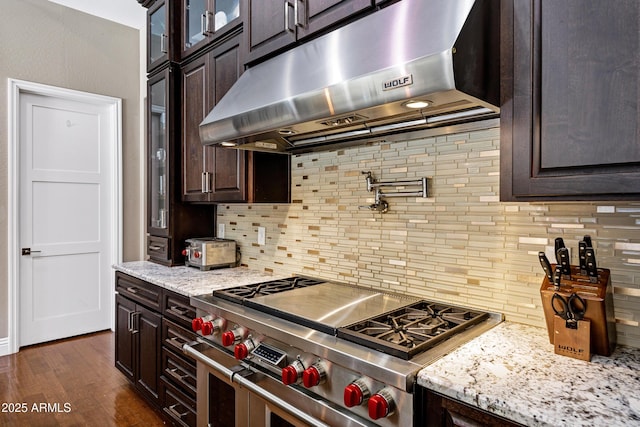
column 191, row 281
column 512, row 371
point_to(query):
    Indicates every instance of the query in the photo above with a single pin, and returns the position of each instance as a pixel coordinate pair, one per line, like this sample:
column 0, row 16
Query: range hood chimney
column 412, row 65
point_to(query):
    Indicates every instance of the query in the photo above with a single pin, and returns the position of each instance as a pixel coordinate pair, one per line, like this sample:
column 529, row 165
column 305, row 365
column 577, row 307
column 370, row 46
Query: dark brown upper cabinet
column 570, row 113
column 272, row 25
column 217, row 174
column 169, row 221
column 203, row 21
column 210, row 173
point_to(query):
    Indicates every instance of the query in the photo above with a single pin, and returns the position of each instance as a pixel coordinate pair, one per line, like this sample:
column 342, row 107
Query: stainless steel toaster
column 206, row 253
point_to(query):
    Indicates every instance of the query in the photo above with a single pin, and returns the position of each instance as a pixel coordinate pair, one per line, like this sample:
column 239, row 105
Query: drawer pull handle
column 174, row 373
column 156, row 247
column 176, row 342
column 132, row 290
column 175, row 413
column 179, row 310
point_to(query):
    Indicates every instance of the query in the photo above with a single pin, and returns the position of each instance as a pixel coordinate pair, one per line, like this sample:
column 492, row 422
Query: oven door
column 233, row 395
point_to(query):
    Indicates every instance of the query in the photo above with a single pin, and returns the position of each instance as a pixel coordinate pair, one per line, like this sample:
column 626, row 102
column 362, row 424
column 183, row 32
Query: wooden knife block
column 599, row 299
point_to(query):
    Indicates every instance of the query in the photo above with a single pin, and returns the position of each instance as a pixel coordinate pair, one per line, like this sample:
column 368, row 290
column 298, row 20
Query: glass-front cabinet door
column 158, row 35
column 204, row 20
column 158, row 155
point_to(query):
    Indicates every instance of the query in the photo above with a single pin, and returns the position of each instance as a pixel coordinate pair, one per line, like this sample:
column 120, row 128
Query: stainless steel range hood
column 357, row 83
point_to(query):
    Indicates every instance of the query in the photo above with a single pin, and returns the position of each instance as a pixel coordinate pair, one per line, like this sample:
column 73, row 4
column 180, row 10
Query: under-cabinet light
column 459, row 115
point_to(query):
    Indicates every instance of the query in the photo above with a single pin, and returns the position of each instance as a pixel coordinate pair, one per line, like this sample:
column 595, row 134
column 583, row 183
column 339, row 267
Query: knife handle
column 546, row 265
column 582, row 248
column 565, row 262
column 587, row 240
column 592, row 268
column 559, row 244
column 557, row 276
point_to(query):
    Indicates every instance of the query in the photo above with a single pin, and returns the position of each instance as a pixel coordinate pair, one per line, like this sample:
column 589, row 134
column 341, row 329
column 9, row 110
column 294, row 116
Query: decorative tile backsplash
column 460, row 244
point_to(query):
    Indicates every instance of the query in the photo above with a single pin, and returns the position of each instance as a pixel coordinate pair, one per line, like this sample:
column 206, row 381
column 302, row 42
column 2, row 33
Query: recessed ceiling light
column 417, row 104
column 228, row 144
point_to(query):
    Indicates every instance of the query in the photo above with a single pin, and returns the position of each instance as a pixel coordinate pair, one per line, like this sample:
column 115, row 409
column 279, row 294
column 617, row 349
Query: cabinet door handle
column 299, row 22
column 133, row 327
column 163, row 43
column 287, row 6
column 206, row 182
column 205, row 23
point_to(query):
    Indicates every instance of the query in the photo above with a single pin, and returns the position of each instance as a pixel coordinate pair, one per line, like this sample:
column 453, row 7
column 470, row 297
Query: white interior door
column 65, row 185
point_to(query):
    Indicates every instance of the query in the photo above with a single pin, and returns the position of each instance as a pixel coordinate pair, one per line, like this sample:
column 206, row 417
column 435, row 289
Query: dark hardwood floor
column 70, row 382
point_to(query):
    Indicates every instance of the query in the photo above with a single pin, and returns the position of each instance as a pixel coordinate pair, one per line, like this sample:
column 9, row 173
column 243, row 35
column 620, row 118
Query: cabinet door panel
column 159, row 154
column 157, row 35
column 226, row 165
column 194, row 109
column 148, row 326
column 266, row 28
column 570, row 88
column 589, row 83
column 124, row 339
column 229, row 177
column 321, row 14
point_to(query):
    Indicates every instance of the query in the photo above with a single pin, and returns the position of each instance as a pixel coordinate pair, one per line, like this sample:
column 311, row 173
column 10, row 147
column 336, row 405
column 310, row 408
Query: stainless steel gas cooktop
column 352, row 346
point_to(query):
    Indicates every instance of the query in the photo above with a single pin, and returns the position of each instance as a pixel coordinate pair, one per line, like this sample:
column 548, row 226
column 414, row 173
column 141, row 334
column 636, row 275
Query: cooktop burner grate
column 241, row 293
column 410, row 330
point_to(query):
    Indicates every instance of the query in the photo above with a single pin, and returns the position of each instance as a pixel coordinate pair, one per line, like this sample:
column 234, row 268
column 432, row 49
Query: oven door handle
column 190, row 351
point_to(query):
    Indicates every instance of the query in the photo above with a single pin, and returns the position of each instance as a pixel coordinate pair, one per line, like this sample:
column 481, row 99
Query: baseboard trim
column 4, row 346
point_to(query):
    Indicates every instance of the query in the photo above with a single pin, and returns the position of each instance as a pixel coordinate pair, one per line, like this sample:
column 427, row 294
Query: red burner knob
column 196, row 324
column 228, row 338
column 310, row 377
column 233, row 336
column 185, row 252
column 313, row 375
column 355, row 393
column 289, row 375
column 196, row 254
column 240, row 351
column 207, row 328
column 381, row 404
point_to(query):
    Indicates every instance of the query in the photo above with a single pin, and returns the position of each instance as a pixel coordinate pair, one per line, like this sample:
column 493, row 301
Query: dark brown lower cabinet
column 435, row 410
column 137, row 341
column 152, row 323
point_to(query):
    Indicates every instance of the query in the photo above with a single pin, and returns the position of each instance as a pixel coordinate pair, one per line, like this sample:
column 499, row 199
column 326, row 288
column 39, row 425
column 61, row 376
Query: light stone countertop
column 190, row 281
column 512, row 371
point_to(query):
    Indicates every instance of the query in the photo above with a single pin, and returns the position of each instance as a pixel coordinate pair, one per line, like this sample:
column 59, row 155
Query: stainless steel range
column 303, row 351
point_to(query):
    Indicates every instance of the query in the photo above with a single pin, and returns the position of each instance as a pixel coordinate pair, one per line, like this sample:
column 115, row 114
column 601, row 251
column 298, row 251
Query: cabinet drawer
column 178, row 406
column 179, row 372
column 139, row 291
column 174, row 336
column 158, row 248
column 178, row 309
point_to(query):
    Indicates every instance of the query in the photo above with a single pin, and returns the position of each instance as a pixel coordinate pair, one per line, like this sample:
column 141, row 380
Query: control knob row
column 380, row 405
column 208, row 325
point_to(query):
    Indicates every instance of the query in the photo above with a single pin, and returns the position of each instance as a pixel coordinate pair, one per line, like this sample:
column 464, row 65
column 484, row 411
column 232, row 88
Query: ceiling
column 126, row 12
